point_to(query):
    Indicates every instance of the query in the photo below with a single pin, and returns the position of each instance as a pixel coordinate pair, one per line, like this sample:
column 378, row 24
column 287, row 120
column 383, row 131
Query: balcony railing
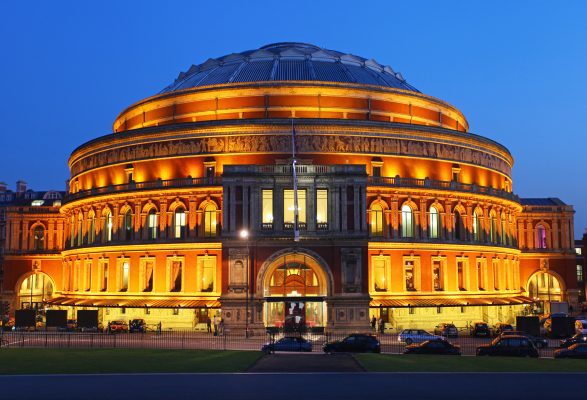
column 441, row 185
column 149, row 185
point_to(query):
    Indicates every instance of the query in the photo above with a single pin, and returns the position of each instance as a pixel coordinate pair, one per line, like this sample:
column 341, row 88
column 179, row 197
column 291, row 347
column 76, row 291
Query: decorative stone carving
column 351, row 270
column 237, row 274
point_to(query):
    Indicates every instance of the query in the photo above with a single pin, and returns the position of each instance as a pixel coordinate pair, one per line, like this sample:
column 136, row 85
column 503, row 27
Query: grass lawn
column 424, row 363
column 92, row 361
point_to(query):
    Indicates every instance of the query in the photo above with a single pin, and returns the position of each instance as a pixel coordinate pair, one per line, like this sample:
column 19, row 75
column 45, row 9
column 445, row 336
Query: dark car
column 500, row 327
column 137, row 325
column 577, row 338
column 71, row 325
column 578, row 350
column 447, row 330
column 480, row 329
column 509, row 346
column 288, row 344
column 357, row 343
column 540, row 343
column 434, row 347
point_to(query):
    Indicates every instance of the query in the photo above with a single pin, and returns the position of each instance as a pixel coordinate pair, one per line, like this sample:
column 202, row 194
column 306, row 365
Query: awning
column 135, row 303
column 450, row 301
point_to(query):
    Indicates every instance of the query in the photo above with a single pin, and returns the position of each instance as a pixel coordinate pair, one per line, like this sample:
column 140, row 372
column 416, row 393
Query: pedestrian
column 216, row 322
column 221, row 326
column 374, row 324
column 381, row 326
column 208, row 324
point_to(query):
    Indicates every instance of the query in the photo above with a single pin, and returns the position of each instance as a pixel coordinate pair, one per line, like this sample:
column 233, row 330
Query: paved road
column 323, row 386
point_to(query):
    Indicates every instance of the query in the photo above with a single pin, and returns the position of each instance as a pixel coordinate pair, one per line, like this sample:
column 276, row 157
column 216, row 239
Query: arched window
column 540, row 236
column 407, row 221
column 504, row 233
column 210, row 221
column 80, row 230
column 39, row 237
column 433, row 223
column 92, row 229
column 376, row 220
column 152, row 223
column 127, row 225
column 72, row 231
column 179, row 223
column 107, row 228
column 492, row 228
column 459, row 228
column 476, row 227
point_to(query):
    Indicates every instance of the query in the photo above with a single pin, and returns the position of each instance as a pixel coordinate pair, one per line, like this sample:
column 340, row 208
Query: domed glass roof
column 289, row 62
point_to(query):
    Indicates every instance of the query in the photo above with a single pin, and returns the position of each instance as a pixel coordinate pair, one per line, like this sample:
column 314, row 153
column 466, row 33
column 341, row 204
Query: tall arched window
column 127, row 225
column 376, row 220
column 476, row 227
column 179, row 223
column 504, row 233
column 107, row 228
column 540, row 236
column 39, row 237
column 407, row 221
column 80, row 230
column 152, row 222
column 210, row 221
column 92, row 229
column 433, row 223
column 493, row 228
column 459, row 227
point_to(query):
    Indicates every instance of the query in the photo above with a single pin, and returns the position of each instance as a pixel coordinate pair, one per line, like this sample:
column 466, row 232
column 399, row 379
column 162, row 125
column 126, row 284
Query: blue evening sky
column 517, row 69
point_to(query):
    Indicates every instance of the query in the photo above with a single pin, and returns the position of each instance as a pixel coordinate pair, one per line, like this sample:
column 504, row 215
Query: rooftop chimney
column 20, row 187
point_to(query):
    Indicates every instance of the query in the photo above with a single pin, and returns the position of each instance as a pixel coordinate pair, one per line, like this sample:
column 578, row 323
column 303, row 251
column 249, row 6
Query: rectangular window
column 410, row 276
column 146, row 274
column 206, row 273
column 579, row 273
column 103, row 275
column 461, row 275
column 288, row 206
column 480, row 275
column 267, row 206
column 377, row 171
column 179, row 224
column 495, row 267
column 322, row 208
column 123, row 268
column 379, row 280
column 88, row 275
column 174, row 274
column 437, row 275
column 152, row 225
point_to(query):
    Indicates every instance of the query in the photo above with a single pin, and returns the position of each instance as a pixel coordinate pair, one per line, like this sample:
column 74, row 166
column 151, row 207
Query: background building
column 191, row 207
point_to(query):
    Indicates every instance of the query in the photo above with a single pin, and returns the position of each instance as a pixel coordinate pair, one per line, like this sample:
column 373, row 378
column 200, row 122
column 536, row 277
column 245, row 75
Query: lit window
column 434, row 223
column 376, row 220
column 540, row 237
column 379, row 281
column 267, row 198
column 493, row 228
column 579, row 273
column 437, row 275
column 288, row 206
column 407, row 222
column 146, row 274
column 476, row 227
column 322, row 208
column 206, row 273
column 152, row 223
column 175, row 275
column 461, row 275
column 210, row 221
column 179, row 223
column 409, row 275
column 107, row 231
column 103, row 275
column 123, row 276
column 128, row 225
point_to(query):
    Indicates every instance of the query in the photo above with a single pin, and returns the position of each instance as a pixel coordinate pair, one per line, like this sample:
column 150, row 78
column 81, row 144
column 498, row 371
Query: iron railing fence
column 228, row 340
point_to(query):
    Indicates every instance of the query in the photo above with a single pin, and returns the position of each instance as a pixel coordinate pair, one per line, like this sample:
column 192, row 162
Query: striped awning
column 134, row 303
column 449, row 301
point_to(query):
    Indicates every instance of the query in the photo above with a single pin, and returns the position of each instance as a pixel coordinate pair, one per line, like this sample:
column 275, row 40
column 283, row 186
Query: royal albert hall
column 294, row 186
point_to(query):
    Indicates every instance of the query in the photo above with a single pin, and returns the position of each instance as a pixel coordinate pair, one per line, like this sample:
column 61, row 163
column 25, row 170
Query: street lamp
column 244, row 234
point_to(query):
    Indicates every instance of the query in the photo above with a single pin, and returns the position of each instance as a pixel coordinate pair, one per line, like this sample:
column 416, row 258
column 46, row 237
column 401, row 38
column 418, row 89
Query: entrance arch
column 34, row 289
column 294, row 285
column 546, row 286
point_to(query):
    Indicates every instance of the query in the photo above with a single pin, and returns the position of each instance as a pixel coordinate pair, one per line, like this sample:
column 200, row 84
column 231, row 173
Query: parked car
column 511, row 346
column 288, row 343
column 578, row 350
column 409, row 336
column 500, row 327
column 581, row 326
column 356, row 343
column 577, row 338
column 434, row 347
column 446, row 330
column 480, row 329
column 137, row 325
column 539, row 342
column 71, row 325
column 117, row 326
column 546, row 322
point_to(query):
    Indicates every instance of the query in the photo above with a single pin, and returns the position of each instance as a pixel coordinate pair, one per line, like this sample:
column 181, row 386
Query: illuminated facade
column 402, row 213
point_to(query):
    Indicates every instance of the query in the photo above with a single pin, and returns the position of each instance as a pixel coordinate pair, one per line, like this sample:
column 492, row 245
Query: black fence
column 186, row 339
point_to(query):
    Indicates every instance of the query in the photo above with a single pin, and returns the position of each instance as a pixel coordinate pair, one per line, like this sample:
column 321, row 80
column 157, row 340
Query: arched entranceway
column 545, row 287
column 295, row 286
column 34, row 290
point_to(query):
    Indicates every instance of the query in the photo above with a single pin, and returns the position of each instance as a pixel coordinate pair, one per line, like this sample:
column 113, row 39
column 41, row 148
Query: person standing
column 221, row 326
column 374, row 324
column 208, row 324
column 381, row 326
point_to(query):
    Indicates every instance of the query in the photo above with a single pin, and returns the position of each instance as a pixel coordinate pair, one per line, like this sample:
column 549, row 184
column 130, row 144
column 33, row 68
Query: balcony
column 441, row 185
column 148, row 185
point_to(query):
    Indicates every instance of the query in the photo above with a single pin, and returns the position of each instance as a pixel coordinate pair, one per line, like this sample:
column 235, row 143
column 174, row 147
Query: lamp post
column 244, row 234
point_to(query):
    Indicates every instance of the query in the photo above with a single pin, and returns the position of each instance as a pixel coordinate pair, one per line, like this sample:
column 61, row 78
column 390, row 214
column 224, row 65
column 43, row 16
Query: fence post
column 224, row 340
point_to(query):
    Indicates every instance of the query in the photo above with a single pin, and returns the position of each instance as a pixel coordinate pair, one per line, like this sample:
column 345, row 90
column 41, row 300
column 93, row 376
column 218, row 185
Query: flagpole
column 295, row 182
